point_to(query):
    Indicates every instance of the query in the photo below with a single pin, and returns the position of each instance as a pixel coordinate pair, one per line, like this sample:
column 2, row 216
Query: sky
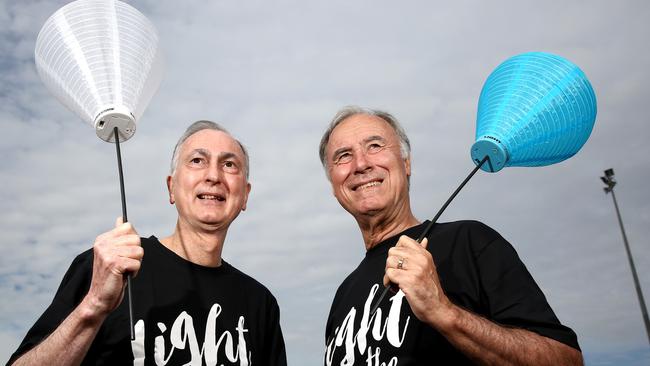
column 275, row 73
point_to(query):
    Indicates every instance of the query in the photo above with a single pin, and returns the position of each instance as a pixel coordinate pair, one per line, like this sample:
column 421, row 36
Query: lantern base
column 494, row 149
column 113, row 117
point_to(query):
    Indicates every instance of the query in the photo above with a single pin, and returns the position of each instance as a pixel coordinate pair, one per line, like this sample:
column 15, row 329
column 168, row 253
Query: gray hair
column 200, row 126
column 349, row 111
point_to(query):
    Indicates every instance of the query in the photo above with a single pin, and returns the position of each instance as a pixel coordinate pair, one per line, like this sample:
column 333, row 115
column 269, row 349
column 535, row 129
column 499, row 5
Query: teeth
column 368, row 185
column 210, row 197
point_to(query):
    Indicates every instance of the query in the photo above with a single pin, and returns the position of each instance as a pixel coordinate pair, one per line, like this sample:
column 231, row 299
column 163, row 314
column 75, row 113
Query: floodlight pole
column 609, row 180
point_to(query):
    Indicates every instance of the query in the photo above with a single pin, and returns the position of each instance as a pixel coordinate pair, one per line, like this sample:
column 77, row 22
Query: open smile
column 366, row 185
column 211, row 196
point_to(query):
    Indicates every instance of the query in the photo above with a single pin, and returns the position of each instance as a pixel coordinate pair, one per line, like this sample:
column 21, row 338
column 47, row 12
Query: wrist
column 445, row 318
column 90, row 310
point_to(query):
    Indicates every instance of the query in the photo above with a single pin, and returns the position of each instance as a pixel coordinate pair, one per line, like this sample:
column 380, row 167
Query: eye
column 343, row 158
column 230, row 166
column 196, row 160
column 374, row 147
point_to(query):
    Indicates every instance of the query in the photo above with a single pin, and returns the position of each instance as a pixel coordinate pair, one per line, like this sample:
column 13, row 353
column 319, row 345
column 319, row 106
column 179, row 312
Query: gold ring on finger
column 400, row 263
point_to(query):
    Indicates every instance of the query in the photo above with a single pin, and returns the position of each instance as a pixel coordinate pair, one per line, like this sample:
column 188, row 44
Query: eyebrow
column 374, row 138
column 200, row 151
column 228, row 155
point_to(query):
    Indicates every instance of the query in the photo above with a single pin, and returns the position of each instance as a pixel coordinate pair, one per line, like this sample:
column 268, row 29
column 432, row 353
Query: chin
column 368, row 210
column 371, row 205
column 211, row 220
column 213, row 226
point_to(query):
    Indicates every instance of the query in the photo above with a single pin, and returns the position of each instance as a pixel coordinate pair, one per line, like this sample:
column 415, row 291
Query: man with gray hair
column 190, row 306
column 462, row 296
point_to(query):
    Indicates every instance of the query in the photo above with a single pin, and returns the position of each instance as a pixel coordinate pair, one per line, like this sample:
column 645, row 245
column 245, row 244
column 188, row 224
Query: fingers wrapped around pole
column 411, row 269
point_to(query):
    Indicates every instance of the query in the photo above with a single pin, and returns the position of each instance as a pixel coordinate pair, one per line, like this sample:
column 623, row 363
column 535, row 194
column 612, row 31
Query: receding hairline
column 345, row 114
column 199, row 126
column 226, row 133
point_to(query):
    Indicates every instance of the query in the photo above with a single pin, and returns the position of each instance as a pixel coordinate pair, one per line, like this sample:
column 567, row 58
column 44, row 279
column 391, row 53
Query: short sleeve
column 513, row 297
column 275, row 349
column 73, row 288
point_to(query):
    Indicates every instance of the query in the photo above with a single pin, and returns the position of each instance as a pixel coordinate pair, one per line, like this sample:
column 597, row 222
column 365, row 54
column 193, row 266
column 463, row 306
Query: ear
column 407, row 166
column 328, row 174
column 248, row 191
column 170, row 185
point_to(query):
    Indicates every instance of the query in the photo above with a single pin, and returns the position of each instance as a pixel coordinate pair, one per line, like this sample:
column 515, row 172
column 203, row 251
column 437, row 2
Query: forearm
column 488, row 343
column 70, row 342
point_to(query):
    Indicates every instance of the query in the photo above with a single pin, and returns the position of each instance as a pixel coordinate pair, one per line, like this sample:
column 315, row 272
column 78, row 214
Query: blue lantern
column 535, row 109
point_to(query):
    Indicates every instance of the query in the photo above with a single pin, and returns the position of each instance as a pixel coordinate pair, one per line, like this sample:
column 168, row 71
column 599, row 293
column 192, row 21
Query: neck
column 199, row 247
column 377, row 228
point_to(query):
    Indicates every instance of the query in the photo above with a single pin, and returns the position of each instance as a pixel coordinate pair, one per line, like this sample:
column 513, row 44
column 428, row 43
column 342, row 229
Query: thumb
column 424, row 243
column 119, row 221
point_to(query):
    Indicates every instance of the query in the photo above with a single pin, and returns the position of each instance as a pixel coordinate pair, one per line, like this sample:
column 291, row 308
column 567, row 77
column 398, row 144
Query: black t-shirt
column 184, row 313
column 479, row 271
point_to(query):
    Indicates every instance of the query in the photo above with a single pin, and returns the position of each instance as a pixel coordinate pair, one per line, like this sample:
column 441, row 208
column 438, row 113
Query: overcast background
column 274, row 73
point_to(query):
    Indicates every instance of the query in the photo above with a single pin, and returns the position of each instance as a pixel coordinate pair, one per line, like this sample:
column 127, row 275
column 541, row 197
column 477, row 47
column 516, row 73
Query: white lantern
column 102, row 60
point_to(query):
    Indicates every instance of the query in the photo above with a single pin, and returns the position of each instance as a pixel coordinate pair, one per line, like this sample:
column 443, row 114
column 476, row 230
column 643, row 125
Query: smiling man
column 464, row 296
column 190, row 306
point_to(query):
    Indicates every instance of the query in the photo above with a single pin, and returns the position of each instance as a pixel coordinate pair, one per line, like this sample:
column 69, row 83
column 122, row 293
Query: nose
column 361, row 163
column 213, row 173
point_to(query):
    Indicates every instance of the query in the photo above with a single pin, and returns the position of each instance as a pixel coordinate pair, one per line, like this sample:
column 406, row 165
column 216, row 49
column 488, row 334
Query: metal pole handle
column 128, row 295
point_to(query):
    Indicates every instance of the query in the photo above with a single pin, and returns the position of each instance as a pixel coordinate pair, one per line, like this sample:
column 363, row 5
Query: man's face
column 209, row 184
column 369, row 176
